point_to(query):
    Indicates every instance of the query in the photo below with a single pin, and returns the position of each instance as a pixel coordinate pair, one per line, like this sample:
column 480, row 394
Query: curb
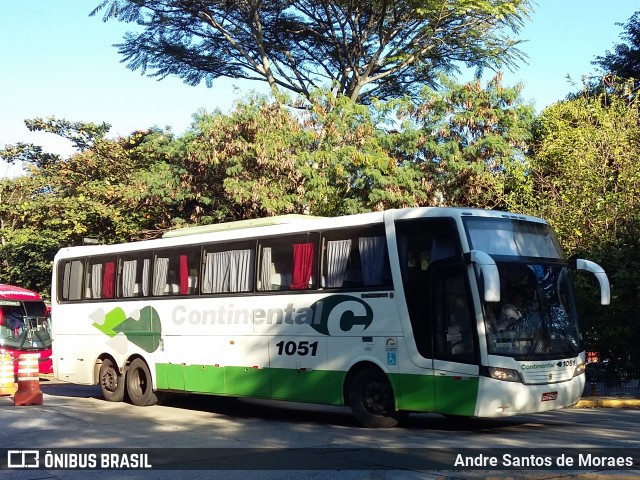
column 608, row 402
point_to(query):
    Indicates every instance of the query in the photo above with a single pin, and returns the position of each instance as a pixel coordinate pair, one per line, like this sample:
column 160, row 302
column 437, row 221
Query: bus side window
column 100, row 278
column 288, row 262
column 355, row 257
column 175, row 272
column 373, row 255
column 160, row 276
column 226, row 269
column 275, row 267
column 454, row 333
column 189, row 261
column 134, row 276
column 71, row 277
column 338, row 263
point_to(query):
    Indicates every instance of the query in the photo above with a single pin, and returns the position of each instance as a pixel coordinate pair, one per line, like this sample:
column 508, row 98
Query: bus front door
column 455, row 343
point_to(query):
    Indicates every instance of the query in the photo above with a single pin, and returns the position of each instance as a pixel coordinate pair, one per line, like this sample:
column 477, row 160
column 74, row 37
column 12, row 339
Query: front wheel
column 139, row 384
column 111, row 381
column 371, row 399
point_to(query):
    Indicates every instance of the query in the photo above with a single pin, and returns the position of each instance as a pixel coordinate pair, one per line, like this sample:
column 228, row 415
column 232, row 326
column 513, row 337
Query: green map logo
column 141, row 327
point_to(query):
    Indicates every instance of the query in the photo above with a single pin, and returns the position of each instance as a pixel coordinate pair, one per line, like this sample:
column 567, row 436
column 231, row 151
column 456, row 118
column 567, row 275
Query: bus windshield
column 24, row 325
column 536, row 315
column 513, row 237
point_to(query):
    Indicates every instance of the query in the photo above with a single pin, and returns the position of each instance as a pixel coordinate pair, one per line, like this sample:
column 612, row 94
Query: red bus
column 25, row 325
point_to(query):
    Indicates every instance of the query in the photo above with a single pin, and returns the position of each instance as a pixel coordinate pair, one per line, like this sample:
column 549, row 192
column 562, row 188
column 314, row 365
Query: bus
column 457, row 311
column 25, row 326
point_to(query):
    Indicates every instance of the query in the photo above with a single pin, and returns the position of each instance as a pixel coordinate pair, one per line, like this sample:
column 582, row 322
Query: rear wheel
column 371, row 399
column 139, row 384
column 111, row 381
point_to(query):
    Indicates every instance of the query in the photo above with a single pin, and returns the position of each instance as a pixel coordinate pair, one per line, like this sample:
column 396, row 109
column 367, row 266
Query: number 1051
column 297, row 348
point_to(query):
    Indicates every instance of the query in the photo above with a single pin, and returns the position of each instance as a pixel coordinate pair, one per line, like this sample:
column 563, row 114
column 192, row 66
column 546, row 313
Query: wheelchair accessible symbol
column 391, row 358
column 391, row 351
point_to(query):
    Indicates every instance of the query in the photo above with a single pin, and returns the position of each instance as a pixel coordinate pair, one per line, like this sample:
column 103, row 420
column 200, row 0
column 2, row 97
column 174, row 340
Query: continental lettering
column 336, row 313
column 230, row 315
column 536, row 366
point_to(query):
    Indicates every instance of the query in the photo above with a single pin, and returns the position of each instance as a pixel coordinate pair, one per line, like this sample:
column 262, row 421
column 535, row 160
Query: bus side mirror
column 490, row 274
column 601, row 276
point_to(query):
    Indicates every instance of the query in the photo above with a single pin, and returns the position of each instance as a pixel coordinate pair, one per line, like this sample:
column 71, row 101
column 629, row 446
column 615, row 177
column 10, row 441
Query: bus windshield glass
column 24, row 325
column 512, row 237
column 536, row 316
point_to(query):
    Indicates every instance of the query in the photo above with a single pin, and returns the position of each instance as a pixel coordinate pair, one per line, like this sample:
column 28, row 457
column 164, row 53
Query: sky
column 56, row 60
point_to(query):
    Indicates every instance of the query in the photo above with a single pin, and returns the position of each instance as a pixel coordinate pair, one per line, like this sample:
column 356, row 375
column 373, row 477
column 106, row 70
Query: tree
column 331, row 157
column 27, row 246
column 105, row 190
column 112, row 190
column 585, row 179
column 328, row 159
column 377, row 48
column 469, row 142
column 624, row 61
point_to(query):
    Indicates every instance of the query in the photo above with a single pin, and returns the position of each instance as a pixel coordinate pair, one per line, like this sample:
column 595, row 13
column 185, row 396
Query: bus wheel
column 111, row 382
column 139, row 385
column 371, row 399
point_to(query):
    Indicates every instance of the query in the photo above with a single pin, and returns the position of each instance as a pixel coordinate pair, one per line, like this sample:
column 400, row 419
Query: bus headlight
column 580, row 369
column 504, row 374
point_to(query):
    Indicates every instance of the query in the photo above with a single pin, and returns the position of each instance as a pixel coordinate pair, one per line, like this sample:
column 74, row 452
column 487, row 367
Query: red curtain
column 108, row 280
column 184, row 275
column 303, row 254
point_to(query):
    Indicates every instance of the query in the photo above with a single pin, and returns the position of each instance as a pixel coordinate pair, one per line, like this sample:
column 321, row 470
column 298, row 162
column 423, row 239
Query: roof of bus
column 239, row 224
column 281, row 225
column 10, row 292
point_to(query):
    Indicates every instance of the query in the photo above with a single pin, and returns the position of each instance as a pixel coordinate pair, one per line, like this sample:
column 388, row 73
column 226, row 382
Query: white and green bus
column 457, row 311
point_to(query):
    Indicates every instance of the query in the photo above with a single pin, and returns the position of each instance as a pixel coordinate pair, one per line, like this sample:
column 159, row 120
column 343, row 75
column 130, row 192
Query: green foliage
column 83, row 135
column 324, row 159
column 624, row 61
column 26, row 258
column 28, row 154
column 585, row 180
column 327, row 155
column 469, row 142
column 26, row 247
column 585, row 169
column 362, row 49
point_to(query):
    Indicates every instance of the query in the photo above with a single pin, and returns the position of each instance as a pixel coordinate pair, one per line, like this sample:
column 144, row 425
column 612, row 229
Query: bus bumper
column 497, row 398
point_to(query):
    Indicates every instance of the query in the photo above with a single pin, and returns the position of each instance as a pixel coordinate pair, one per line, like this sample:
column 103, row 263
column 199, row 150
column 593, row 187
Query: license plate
column 548, row 396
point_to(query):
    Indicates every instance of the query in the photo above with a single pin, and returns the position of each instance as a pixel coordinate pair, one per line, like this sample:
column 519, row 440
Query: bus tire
column 111, row 381
column 370, row 397
column 139, row 384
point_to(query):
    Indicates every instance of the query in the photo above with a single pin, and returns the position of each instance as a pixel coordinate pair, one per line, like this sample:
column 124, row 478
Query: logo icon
column 347, row 311
column 141, row 327
column 23, row 459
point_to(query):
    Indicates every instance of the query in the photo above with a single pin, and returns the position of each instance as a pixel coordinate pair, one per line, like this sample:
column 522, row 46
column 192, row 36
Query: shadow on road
column 59, row 389
column 292, row 412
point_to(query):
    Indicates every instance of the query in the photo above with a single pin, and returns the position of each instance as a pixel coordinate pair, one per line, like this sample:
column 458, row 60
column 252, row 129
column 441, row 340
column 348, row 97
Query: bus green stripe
column 318, row 386
column 450, row 395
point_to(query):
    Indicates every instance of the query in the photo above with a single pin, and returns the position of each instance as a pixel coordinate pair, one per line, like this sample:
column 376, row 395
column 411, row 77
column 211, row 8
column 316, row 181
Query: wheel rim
column 110, row 380
column 376, row 398
column 139, row 382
